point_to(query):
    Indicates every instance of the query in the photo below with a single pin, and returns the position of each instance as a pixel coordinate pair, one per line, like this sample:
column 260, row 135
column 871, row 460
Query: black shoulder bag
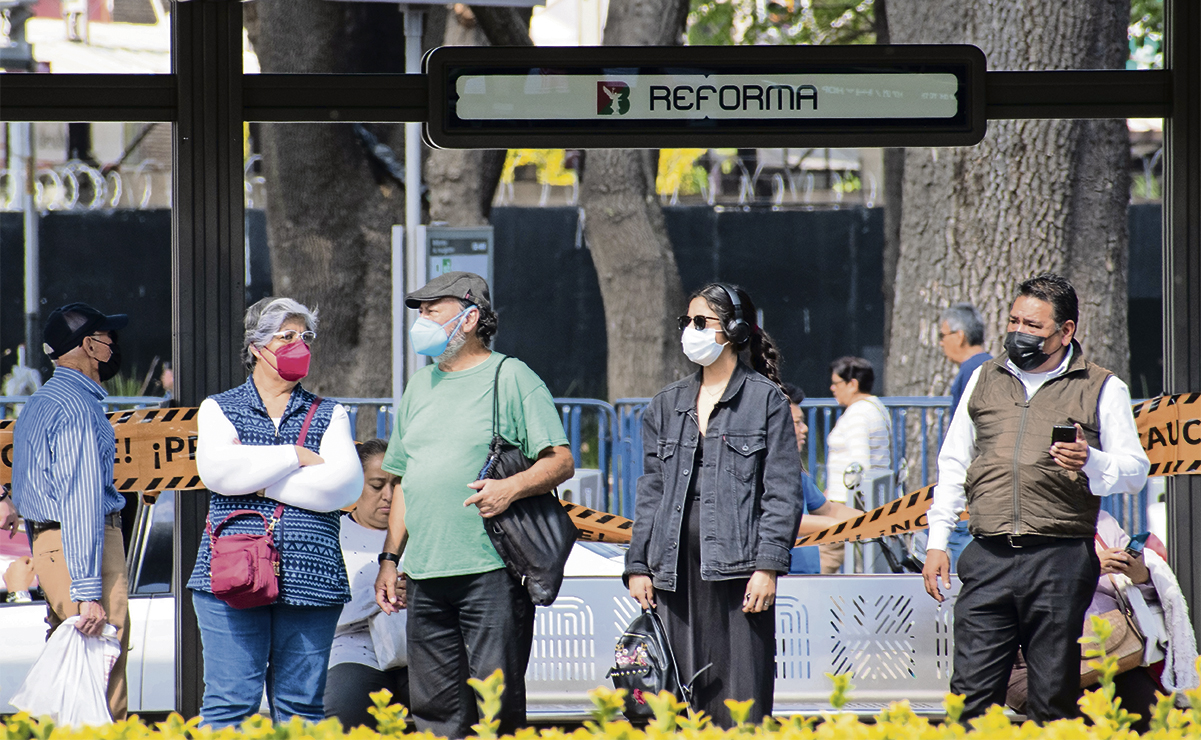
column 534, row 535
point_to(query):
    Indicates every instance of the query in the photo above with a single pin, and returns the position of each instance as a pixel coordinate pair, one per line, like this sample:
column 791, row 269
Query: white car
column 883, row 628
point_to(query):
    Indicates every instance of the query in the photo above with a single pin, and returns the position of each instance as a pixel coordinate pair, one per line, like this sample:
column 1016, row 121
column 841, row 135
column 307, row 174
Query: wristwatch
column 19, row 597
column 4, row 493
column 389, row 556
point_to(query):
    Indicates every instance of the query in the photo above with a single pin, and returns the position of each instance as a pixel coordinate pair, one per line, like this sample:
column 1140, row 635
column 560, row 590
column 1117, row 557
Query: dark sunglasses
column 697, row 321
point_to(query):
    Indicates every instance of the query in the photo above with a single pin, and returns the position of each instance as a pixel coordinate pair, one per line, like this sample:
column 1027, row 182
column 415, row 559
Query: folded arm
column 231, row 468
column 332, row 485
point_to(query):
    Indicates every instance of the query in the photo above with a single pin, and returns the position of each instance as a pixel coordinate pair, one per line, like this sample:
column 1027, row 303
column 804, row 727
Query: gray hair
column 264, row 318
column 966, row 318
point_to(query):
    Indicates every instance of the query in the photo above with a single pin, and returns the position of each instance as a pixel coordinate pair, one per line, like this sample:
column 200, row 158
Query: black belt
column 1019, row 541
column 112, row 520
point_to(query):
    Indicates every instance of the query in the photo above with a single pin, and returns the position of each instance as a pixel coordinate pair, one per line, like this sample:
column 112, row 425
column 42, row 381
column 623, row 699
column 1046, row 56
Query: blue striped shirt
column 63, row 452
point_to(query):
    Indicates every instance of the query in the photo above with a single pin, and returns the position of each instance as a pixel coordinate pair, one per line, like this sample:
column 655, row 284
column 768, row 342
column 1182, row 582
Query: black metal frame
column 208, row 99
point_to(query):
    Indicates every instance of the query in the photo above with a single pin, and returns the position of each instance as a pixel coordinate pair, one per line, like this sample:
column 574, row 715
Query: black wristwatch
column 4, row 493
column 392, row 557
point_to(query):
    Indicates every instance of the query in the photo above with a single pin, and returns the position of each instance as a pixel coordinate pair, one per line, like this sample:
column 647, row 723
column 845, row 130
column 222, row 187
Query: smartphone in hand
column 1063, row 433
column 1137, row 543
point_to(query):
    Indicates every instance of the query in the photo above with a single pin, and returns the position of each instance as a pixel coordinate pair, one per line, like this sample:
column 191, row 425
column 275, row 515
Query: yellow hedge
column 1106, row 720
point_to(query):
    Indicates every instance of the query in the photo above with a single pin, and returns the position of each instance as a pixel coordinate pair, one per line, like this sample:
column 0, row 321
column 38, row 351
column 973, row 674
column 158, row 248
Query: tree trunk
column 639, row 280
column 1034, row 196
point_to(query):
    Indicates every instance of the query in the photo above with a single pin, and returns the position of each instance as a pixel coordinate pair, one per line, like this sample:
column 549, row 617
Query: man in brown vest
column 1029, row 574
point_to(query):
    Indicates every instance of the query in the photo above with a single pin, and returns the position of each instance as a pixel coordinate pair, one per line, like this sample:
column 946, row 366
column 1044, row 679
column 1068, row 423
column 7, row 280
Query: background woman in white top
column 861, row 435
column 369, row 650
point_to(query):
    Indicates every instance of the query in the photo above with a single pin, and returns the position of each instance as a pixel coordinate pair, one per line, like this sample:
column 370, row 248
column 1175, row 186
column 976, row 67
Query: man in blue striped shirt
column 63, row 452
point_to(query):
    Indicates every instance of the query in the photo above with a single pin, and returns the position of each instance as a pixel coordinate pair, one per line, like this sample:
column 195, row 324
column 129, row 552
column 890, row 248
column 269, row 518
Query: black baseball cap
column 58, row 337
column 464, row 285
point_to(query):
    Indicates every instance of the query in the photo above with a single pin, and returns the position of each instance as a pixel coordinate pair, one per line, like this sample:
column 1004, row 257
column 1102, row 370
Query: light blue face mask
column 429, row 338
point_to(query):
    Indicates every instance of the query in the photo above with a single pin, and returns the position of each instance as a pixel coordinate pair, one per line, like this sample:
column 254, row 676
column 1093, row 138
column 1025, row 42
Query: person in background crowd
column 820, row 512
column 248, row 455
column 63, row 453
column 9, row 519
column 467, row 616
column 358, row 666
column 1171, row 659
column 861, row 435
column 1030, row 571
column 961, row 336
column 718, row 505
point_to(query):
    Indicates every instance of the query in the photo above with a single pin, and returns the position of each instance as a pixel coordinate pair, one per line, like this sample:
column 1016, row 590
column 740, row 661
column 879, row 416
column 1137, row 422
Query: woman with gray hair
column 278, row 460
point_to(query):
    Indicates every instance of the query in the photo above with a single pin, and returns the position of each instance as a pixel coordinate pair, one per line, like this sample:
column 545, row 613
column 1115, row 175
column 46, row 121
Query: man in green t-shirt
column 466, row 615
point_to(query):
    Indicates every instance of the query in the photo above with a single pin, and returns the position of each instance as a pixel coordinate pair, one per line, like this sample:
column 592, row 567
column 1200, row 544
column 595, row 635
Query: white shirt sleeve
column 234, row 469
column 958, row 451
column 1121, row 465
column 336, row 483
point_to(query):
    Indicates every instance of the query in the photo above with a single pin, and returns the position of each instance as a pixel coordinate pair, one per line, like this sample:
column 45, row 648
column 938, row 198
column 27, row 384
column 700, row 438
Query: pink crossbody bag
column 245, row 567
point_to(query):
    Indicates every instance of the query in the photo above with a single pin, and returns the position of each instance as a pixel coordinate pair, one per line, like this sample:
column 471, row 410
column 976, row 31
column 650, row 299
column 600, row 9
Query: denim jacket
column 752, row 506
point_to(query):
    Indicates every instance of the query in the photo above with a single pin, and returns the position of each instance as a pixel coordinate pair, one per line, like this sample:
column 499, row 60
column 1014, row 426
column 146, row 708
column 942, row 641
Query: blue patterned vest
column 312, row 571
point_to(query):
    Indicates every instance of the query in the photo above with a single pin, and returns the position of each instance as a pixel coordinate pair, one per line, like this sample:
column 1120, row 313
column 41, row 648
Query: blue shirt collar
column 78, row 380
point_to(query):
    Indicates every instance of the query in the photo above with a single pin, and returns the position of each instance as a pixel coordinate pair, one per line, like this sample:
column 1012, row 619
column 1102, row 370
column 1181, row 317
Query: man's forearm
column 553, row 466
column 398, row 533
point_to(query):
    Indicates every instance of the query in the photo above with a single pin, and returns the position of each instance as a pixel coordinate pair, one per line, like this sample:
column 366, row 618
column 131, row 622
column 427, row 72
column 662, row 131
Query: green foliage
column 489, row 691
column 391, row 721
column 842, row 689
column 1146, row 35
column 779, row 22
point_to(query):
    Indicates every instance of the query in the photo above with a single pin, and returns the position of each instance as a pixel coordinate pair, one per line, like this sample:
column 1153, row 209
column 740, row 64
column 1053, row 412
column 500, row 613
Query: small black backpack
column 646, row 665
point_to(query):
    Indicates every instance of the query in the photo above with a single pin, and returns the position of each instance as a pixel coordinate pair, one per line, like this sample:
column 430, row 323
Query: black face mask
column 1026, row 350
column 110, row 367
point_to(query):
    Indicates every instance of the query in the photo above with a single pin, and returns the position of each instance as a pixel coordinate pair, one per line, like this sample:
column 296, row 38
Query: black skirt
column 706, row 626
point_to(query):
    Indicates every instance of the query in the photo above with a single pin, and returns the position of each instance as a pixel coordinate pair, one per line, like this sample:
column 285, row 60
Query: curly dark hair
column 485, row 329
column 762, row 352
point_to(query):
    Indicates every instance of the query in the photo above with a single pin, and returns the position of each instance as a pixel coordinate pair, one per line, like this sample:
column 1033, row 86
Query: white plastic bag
column 388, row 638
column 69, row 681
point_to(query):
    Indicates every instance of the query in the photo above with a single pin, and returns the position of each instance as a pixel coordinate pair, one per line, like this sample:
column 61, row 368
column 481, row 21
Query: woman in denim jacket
column 719, row 504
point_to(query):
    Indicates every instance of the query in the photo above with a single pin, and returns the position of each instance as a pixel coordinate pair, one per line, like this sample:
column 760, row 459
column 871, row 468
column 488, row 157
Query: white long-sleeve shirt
column 234, row 469
column 1119, row 466
column 861, row 435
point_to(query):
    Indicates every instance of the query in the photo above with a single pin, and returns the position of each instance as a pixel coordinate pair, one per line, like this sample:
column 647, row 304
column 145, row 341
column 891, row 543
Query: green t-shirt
column 439, row 443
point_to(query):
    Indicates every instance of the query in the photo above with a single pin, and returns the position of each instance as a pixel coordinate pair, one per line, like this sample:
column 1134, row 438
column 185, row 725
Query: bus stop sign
column 733, row 96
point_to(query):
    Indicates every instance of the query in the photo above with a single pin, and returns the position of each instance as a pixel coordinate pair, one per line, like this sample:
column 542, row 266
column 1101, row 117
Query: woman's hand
column 307, row 457
column 642, row 590
column 760, row 591
column 1117, row 560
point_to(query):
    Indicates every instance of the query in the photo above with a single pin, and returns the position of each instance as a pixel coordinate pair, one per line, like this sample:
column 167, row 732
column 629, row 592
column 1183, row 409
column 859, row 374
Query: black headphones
column 737, row 329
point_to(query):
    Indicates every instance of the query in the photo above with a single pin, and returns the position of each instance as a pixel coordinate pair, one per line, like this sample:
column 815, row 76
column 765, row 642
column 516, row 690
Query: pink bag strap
column 268, row 523
column 308, row 419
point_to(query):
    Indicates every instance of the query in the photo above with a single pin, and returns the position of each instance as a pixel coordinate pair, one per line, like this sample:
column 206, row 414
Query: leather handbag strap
column 269, row 524
column 308, row 419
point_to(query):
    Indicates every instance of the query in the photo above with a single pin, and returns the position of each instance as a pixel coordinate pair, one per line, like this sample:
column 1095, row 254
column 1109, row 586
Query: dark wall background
column 815, row 275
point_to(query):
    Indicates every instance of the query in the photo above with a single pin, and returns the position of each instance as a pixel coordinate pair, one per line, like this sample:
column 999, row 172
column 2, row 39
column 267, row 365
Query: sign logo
column 612, row 98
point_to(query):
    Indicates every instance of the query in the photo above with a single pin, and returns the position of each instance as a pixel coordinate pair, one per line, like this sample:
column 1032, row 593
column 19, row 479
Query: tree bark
column 1034, row 196
column 639, row 279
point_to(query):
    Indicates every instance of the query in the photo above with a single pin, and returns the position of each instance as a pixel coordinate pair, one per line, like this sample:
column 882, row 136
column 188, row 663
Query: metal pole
column 414, row 244
column 398, row 316
column 25, row 164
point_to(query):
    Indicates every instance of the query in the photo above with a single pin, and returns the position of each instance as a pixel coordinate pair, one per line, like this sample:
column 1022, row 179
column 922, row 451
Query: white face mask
column 701, row 346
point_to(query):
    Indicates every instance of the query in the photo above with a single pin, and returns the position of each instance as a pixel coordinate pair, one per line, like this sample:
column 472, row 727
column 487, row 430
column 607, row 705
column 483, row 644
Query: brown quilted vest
column 1013, row 485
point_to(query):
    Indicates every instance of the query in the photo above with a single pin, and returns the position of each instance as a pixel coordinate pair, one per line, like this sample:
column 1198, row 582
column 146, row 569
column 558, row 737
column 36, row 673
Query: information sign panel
column 453, row 249
column 495, row 97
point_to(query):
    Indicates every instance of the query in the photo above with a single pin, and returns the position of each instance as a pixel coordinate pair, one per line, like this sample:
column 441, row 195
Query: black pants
column 347, row 689
column 1032, row 597
column 466, row 627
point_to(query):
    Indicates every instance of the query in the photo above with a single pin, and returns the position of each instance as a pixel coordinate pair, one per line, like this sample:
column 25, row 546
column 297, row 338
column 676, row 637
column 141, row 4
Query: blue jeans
column 284, row 648
column 960, row 538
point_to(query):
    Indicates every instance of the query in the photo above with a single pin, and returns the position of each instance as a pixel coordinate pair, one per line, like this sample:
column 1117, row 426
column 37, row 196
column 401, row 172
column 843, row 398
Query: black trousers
column 466, row 627
column 1034, row 598
column 348, row 686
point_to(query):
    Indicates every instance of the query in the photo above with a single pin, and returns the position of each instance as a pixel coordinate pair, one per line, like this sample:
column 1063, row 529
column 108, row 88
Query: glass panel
column 88, row 36
column 100, row 212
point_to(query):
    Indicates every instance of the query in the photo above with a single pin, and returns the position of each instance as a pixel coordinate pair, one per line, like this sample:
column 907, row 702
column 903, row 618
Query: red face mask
column 292, row 360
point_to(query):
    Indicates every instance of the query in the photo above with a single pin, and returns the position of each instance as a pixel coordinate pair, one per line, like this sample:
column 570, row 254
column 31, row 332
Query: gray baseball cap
column 464, row 285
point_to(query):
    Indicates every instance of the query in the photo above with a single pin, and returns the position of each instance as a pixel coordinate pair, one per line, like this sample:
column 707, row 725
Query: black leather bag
column 534, row 535
column 645, row 664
